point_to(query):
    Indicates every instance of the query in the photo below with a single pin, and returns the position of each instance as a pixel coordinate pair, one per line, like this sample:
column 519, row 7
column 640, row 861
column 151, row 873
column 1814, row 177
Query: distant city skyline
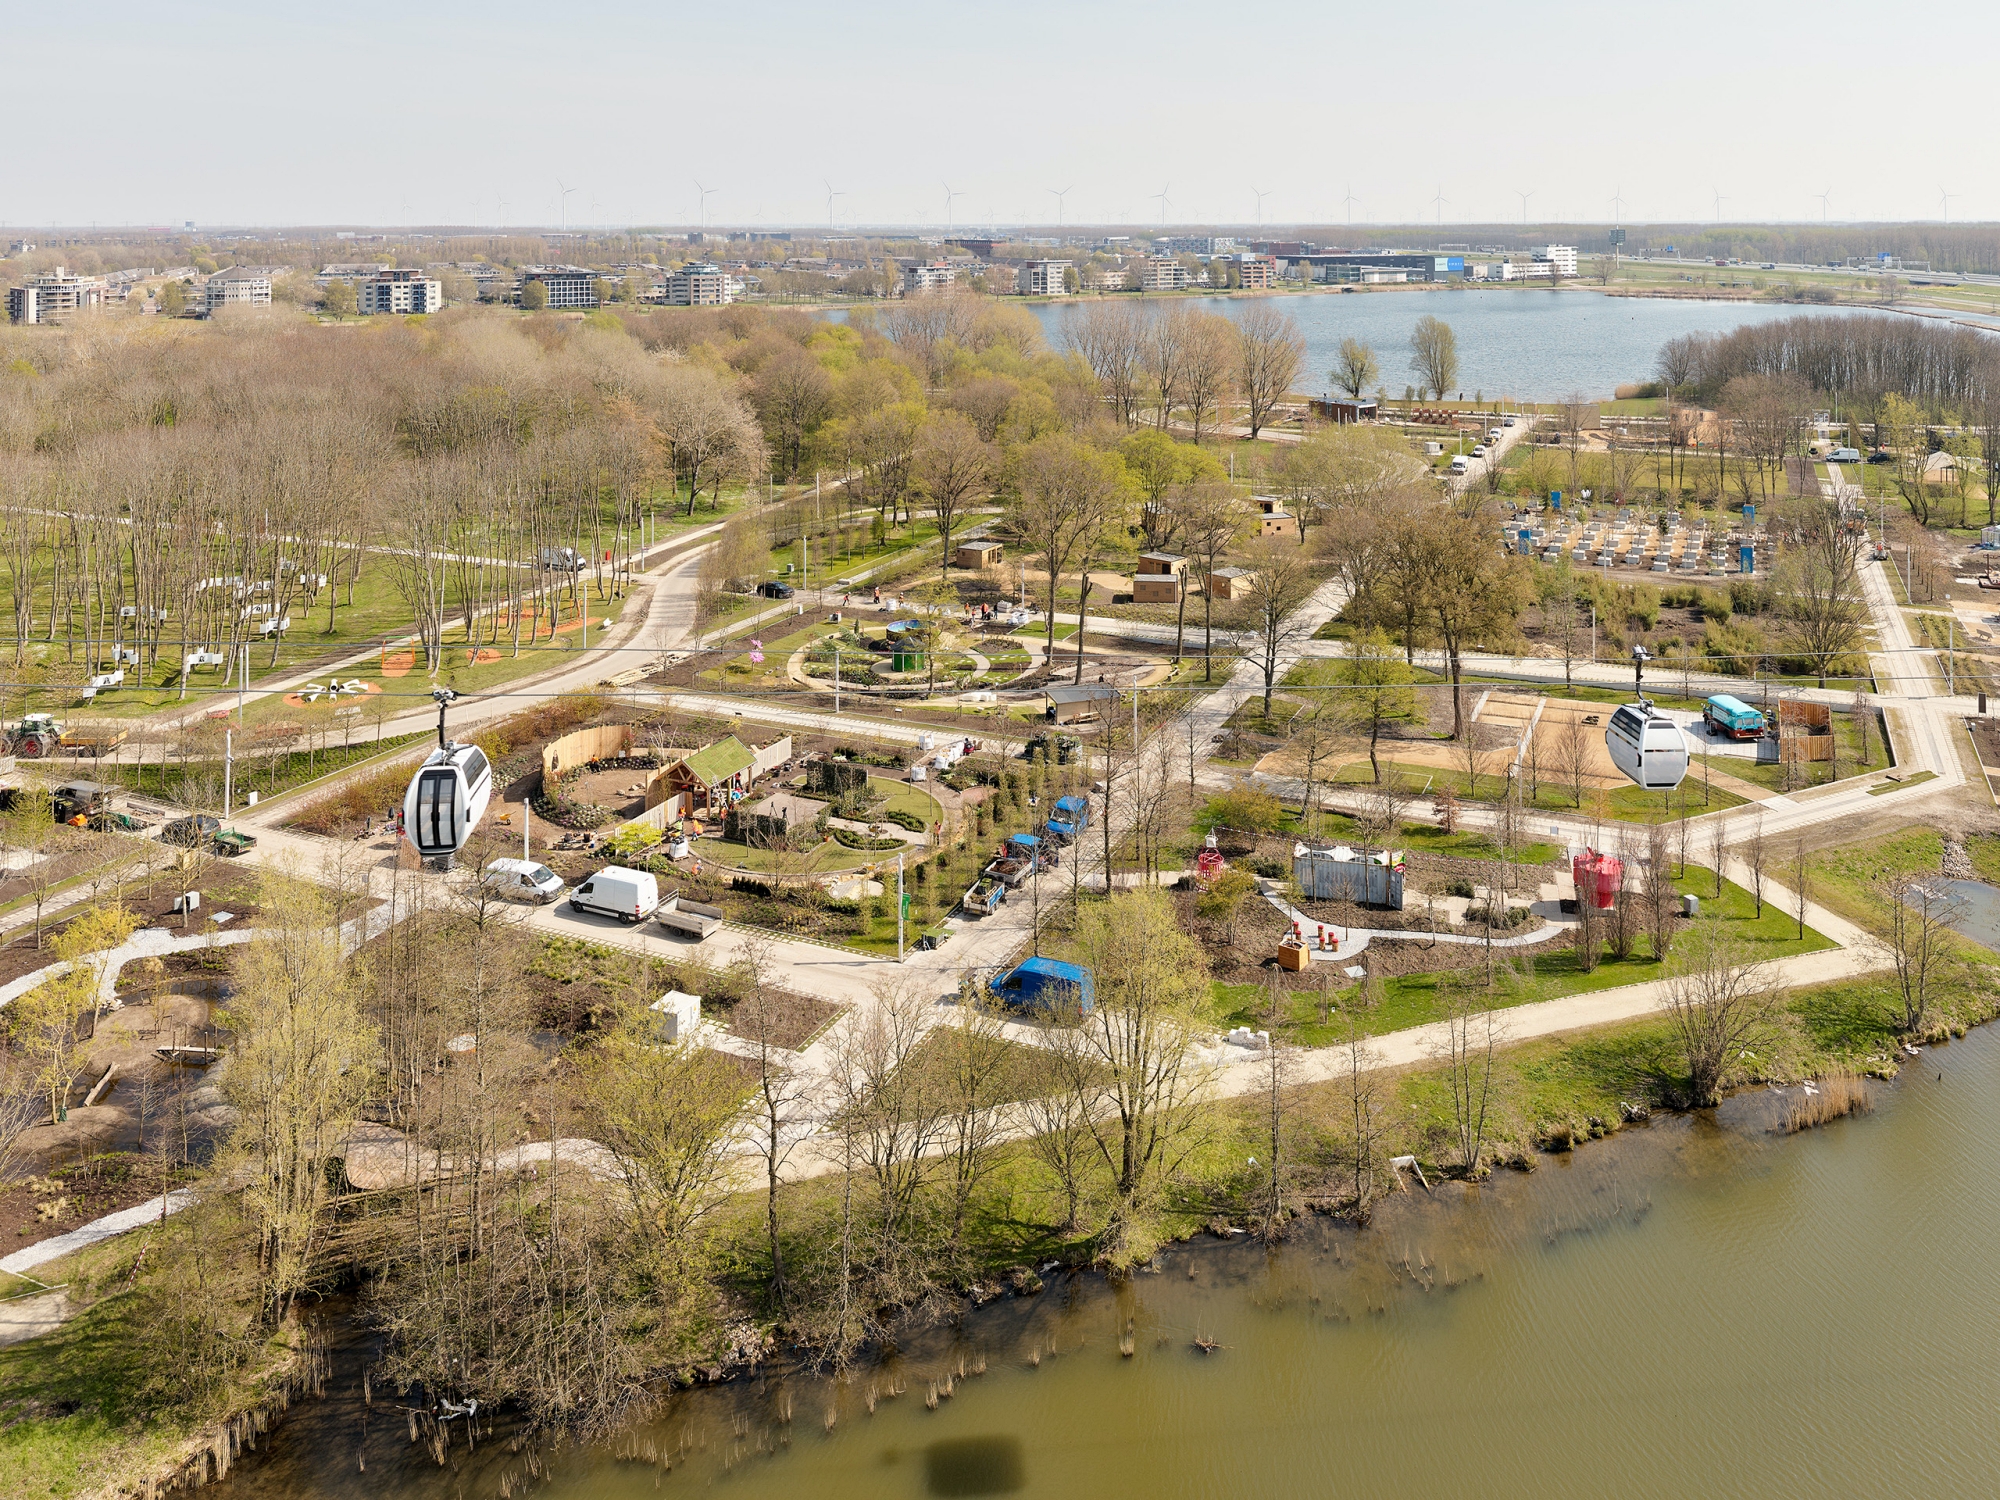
column 908, row 116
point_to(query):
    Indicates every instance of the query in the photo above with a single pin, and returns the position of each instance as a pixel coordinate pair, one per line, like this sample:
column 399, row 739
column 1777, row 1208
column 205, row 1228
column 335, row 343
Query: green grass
column 200, row 782
column 1625, row 804
column 1041, row 632
column 1551, row 973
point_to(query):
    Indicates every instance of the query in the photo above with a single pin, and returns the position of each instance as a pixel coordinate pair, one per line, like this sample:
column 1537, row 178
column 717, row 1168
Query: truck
column 79, row 801
column 986, row 897
column 1732, row 718
column 1045, row 985
column 1071, row 817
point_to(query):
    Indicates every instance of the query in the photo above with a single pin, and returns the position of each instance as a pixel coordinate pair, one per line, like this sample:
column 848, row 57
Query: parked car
column 1492, row 434
column 561, row 560
column 1479, row 450
column 772, row 589
column 192, row 831
column 1506, row 421
column 629, row 895
column 524, row 880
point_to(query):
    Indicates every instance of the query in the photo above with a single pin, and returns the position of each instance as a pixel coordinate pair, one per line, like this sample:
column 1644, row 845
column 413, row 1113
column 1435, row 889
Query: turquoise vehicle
column 1733, row 717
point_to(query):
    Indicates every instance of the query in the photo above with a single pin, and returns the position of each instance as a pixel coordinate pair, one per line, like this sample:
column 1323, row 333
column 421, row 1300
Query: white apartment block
column 1164, row 276
column 239, row 286
column 567, row 286
column 50, row 298
column 697, row 284
column 1045, row 278
column 404, row 292
column 1562, row 257
column 928, row 276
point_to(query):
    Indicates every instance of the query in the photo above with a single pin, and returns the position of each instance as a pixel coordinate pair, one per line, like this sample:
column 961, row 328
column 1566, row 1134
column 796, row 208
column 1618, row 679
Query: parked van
column 1459, row 463
column 1844, row 456
column 629, row 895
column 524, row 880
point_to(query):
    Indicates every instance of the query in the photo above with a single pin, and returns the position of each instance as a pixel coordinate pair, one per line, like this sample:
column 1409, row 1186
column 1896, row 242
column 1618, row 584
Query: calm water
column 1524, row 345
column 1696, row 1307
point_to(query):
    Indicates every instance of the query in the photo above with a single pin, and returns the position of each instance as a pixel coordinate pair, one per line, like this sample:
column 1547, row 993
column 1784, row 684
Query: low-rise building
column 1156, row 588
column 920, row 276
column 1274, row 519
column 1045, row 278
column 239, row 286
column 697, row 284
column 1228, row 583
column 567, row 286
column 398, row 291
column 53, row 296
column 1256, row 272
column 981, row 553
column 1169, row 564
column 1562, row 257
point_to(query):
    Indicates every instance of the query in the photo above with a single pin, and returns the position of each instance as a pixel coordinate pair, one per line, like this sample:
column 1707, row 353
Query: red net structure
column 1597, row 877
column 1209, row 864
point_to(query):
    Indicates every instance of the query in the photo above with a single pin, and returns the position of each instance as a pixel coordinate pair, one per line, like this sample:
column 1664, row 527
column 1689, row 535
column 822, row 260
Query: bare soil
column 223, row 886
column 73, row 1195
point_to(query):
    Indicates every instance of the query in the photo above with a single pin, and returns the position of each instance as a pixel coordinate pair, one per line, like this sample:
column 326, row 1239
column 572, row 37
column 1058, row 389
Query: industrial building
column 392, row 290
column 50, row 297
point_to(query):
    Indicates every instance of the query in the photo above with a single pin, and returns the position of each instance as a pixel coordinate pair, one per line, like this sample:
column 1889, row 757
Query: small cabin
column 976, row 554
column 1156, row 588
column 1070, row 704
column 1229, row 583
column 1168, row 564
column 714, row 775
column 1275, row 520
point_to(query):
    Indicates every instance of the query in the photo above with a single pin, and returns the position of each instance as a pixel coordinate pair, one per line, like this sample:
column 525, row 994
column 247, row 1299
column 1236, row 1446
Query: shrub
column 907, row 820
column 1270, row 866
column 865, row 842
column 634, row 837
column 1460, row 887
column 1243, row 806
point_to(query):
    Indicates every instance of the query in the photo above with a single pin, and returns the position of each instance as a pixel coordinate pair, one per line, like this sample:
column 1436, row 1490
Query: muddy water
column 1698, row 1306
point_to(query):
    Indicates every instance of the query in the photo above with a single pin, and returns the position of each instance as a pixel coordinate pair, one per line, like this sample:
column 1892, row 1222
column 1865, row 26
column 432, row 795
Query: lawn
column 198, row 783
column 1550, row 973
column 1624, row 804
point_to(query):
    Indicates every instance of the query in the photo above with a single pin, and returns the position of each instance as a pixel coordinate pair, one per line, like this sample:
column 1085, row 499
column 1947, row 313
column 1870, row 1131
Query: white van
column 524, row 880
column 628, row 895
column 1844, row 456
column 1459, row 463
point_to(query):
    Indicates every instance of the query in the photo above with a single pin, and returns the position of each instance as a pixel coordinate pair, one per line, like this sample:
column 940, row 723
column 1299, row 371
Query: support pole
column 899, row 908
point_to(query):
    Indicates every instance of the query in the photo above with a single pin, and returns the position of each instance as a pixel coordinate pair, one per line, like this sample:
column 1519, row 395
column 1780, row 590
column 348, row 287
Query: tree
column 1467, row 1052
column 1160, row 468
column 1801, row 873
column 1452, row 575
column 1362, row 1097
column 47, row 1022
column 1434, row 354
column 793, row 395
column 1573, row 755
column 1923, row 910
column 338, row 301
column 1713, row 1005
column 1355, row 367
column 1656, row 889
column 1819, row 590
column 303, row 1060
column 1757, row 854
column 1270, row 352
column 534, row 296
column 1208, row 367
column 954, row 469
column 1281, row 580
column 1111, row 337
column 1212, row 516
column 1151, row 994
column 1068, row 492
column 1376, row 689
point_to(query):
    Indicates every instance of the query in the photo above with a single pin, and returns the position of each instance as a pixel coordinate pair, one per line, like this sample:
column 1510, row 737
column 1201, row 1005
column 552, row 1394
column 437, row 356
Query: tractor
column 36, row 736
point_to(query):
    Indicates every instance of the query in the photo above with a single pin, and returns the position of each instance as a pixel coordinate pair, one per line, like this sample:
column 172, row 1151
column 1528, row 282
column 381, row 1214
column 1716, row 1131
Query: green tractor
column 34, row 738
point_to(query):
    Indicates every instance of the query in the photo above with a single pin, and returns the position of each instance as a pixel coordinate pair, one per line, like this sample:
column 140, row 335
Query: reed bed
column 1832, row 1097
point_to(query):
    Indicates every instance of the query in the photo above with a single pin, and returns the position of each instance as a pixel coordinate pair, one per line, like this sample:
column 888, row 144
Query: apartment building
column 1164, row 276
column 921, row 276
column 1257, row 272
column 567, row 286
column 398, row 291
column 1045, row 278
column 51, row 297
column 237, row 287
column 697, row 284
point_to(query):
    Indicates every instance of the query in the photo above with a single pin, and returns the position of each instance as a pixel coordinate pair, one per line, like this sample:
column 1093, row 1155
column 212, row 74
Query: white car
column 1479, row 450
column 1493, row 435
column 524, row 880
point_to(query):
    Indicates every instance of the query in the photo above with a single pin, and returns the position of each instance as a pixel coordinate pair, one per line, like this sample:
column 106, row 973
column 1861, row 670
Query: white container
column 675, row 1016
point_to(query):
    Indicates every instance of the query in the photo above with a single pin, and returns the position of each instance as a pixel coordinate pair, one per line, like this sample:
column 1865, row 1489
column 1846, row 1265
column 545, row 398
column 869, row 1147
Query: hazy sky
column 223, row 112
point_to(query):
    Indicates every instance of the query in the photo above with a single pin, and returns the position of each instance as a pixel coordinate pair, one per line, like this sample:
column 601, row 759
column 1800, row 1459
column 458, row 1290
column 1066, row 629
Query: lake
column 1523, row 345
column 1696, row 1306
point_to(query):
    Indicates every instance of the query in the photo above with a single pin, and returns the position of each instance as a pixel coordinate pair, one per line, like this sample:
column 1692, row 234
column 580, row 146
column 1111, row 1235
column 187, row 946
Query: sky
column 224, row 113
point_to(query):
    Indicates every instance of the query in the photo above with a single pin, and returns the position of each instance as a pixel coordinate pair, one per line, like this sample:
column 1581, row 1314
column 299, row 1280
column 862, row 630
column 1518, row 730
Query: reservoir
column 1696, row 1306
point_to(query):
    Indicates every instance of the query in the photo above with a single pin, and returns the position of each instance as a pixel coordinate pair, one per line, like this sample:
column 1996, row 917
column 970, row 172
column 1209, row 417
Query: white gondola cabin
column 446, row 799
column 1647, row 747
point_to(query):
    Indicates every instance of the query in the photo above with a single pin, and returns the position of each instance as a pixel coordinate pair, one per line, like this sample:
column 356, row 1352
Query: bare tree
column 1467, row 1052
column 1354, row 367
column 1573, row 755
column 1801, row 873
column 1658, row 895
column 1281, row 581
column 1270, row 352
column 1714, row 1006
column 1112, row 338
column 1434, row 354
column 1364, row 1106
column 1923, row 910
column 1757, row 854
column 1208, row 368
column 954, row 469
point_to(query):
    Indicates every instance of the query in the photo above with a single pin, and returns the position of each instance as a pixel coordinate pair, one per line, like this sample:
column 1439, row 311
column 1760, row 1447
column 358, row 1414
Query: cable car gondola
column 448, row 795
column 1646, row 746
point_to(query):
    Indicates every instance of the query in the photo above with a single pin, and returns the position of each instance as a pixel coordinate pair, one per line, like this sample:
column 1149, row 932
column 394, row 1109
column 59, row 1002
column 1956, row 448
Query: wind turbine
column 1261, row 196
column 1060, row 193
column 1162, row 196
column 1348, row 203
column 1440, row 200
column 1944, row 201
column 1719, row 201
column 1617, row 206
column 704, row 191
column 1524, row 197
column 830, row 196
column 948, row 196
column 562, row 218
column 1822, row 203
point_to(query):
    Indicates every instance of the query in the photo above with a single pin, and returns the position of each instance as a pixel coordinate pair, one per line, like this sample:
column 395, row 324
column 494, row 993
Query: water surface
column 1695, row 1307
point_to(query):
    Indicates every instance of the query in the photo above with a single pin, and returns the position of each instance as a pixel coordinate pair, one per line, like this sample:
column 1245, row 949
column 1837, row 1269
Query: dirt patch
column 70, row 1196
column 223, row 887
column 785, row 1017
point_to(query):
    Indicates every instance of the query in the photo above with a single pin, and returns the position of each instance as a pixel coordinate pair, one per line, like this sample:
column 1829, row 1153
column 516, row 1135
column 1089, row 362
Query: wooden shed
column 1171, row 564
column 708, row 776
column 976, row 554
column 1229, row 583
column 1156, row 588
column 1087, row 700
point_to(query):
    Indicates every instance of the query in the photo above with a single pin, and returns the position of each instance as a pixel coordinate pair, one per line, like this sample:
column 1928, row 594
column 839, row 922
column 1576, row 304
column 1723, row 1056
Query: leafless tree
column 1922, row 911
column 954, row 469
column 1467, row 1053
column 1757, row 854
column 1112, row 338
column 1714, row 1005
column 1270, row 352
